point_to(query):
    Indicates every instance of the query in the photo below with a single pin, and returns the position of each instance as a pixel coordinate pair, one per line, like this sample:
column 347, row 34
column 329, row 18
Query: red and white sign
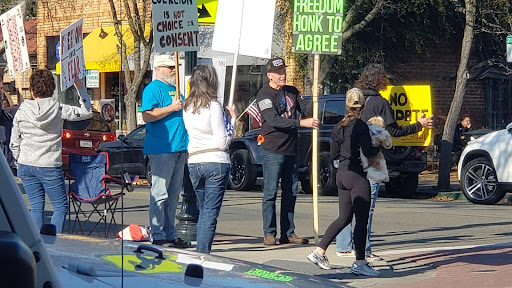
column 71, row 54
column 108, row 112
column 15, row 42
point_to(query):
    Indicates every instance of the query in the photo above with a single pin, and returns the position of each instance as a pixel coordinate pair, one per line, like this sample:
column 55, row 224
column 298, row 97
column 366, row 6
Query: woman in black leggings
column 349, row 137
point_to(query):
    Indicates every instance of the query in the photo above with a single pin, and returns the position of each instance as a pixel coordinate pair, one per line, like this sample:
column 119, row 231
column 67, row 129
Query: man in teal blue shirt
column 165, row 144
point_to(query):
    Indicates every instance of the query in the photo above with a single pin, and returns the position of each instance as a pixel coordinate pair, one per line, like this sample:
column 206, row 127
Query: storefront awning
column 101, row 54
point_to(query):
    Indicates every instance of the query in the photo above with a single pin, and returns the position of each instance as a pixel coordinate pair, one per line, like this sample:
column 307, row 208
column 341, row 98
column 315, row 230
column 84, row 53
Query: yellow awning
column 101, row 54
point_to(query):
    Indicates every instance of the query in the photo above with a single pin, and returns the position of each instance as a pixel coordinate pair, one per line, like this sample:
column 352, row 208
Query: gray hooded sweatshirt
column 37, row 129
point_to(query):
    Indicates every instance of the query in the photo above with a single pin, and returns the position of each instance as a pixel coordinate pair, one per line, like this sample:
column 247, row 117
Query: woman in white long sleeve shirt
column 209, row 133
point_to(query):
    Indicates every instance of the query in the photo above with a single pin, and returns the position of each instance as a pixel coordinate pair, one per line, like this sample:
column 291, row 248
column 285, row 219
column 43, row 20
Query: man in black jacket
column 280, row 105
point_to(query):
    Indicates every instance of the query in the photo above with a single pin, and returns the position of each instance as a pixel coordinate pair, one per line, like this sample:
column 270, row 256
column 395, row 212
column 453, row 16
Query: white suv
column 485, row 167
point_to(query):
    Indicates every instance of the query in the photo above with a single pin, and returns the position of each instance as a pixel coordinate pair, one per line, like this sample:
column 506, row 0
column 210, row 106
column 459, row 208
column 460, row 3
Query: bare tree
column 137, row 22
column 443, row 183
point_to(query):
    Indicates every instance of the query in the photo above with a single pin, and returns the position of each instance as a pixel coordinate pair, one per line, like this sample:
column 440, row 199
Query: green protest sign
column 317, row 26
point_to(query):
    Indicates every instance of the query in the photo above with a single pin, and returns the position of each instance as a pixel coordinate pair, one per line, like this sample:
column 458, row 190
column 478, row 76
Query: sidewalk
column 292, row 257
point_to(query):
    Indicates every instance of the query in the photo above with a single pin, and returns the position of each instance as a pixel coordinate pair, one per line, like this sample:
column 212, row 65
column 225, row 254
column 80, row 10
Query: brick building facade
column 55, row 15
column 438, row 69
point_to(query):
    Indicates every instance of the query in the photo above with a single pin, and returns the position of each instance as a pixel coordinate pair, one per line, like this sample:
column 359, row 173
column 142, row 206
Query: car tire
column 404, row 186
column 148, row 173
column 473, row 174
column 327, row 177
column 397, row 154
column 243, row 174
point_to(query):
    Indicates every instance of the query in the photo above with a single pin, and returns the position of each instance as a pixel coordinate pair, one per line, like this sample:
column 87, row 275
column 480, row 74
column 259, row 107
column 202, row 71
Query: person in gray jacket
column 37, row 147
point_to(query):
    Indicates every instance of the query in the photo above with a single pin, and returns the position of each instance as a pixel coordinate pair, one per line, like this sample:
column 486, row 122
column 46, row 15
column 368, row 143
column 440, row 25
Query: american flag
column 289, row 109
column 254, row 112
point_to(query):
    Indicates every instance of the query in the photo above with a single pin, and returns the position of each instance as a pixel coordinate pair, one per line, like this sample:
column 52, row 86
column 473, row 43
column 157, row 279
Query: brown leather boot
column 269, row 240
column 293, row 239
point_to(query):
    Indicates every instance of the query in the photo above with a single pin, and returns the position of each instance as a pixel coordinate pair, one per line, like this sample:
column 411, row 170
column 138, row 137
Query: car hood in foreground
column 99, row 261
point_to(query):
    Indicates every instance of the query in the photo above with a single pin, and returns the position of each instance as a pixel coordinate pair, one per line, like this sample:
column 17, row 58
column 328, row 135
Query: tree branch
column 369, row 17
column 121, row 48
column 352, row 12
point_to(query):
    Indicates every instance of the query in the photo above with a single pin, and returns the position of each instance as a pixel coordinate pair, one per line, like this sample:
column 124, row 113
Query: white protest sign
column 220, row 67
column 92, row 79
column 15, row 42
column 72, row 63
column 248, row 22
column 175, row 25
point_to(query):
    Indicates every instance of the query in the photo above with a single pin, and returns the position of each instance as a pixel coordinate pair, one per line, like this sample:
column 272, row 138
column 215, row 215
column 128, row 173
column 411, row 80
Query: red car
column 80, row 136
column 84, row 136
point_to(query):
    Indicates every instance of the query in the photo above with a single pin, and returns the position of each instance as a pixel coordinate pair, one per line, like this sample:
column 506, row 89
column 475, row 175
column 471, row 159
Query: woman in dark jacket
column 373, row 79
column 349, row 137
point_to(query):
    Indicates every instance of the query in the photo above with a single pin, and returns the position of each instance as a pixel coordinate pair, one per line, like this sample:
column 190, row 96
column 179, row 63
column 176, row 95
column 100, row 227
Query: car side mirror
column 122, row 137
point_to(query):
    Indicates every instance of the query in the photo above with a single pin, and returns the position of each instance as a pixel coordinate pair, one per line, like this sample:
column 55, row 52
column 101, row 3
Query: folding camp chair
column 88, row 185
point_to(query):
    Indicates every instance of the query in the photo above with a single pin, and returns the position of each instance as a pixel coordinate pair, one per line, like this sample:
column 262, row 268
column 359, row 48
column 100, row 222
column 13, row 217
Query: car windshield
column 95, row 123
column 137, row 134
column 333, row 112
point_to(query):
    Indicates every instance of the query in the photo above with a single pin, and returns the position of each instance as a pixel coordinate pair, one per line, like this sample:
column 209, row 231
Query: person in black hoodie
column 372, row 80
column 459, row 139
column 349, row 137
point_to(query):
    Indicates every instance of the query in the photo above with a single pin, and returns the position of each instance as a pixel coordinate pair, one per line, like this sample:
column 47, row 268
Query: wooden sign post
column 317, row 29
column 314, row 161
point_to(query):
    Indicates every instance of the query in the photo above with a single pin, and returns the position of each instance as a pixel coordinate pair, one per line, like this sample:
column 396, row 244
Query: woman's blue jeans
column 38, row 181
column 209, row 181
column 344, row 241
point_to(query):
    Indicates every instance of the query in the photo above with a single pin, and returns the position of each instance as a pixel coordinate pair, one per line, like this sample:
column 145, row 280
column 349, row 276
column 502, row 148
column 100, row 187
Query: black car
column 404, row 163
column 126, row 154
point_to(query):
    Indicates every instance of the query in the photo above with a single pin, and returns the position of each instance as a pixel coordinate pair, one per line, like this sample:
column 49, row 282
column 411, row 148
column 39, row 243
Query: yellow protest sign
column 408, row 102
column 206, row 11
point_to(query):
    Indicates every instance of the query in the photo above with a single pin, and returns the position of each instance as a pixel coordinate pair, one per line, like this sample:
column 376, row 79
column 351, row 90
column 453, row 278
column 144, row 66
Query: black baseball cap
column 275, row 64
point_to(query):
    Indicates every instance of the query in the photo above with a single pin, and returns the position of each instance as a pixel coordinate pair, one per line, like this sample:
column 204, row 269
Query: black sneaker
column 159, row 242
column 180, row 243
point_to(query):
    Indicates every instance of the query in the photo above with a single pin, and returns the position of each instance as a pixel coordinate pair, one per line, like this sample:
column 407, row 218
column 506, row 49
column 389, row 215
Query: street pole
column 189, row 213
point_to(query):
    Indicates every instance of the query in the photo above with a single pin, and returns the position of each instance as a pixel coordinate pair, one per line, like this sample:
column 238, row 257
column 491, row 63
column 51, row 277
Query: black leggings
column 354, row 198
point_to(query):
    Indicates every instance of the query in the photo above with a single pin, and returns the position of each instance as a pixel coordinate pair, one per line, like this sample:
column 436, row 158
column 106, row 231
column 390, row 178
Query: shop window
column 51, row 52
column 52, row 55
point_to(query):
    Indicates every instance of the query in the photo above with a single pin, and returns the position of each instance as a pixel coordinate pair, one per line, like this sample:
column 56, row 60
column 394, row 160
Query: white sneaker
column 320, row 260
column 363, row 269
column 351, row 253
column 372, row 257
